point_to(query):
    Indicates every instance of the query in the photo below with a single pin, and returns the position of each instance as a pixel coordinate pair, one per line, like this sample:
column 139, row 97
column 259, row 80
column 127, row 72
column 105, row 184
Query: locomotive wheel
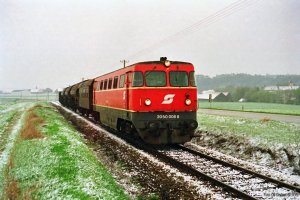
column 96, row 116
column 126, row 127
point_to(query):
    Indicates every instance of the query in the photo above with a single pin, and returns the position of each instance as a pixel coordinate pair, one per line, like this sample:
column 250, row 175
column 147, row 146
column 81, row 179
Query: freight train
column 155, row 99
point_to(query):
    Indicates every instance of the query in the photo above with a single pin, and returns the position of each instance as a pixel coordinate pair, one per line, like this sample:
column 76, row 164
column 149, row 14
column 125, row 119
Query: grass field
column 5, row 103
column 266, row 131
column 253, row 107
column 43, row 157
column 46, row 158
column 32, row 97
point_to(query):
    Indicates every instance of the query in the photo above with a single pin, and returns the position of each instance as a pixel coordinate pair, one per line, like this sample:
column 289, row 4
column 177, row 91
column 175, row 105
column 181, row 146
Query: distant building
column 36, row 91
column 208, row 92
column 228, row 95
column 6, row 92
column 271, row 88
column 281, row 88
column 292, row 87
column 215, row 96
column 24, row 92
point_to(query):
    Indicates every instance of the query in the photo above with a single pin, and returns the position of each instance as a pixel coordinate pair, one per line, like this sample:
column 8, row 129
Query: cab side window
column 137, row 80
column 109, row 83
column 115, row 82
column 101, row 85
column 122, row 81
column 105, row 84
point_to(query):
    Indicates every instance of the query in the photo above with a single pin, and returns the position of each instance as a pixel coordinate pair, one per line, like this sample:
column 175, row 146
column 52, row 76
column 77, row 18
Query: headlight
column 147, row 102
column 188, row 102
column 167, row 63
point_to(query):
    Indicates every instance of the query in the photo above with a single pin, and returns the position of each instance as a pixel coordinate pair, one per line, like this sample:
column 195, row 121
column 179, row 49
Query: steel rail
column 191, row 171
column 222, row 162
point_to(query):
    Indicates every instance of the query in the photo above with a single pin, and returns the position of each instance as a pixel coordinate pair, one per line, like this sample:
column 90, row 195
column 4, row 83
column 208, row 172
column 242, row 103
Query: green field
column 264, row 131
column 253, row 107
column 44, row 157
column 38, row 97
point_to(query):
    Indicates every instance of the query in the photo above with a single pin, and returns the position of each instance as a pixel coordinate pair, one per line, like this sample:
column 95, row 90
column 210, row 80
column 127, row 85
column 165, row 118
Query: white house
column 20, row 92
column 276, row 88
column 215, row 96
column 36, row 91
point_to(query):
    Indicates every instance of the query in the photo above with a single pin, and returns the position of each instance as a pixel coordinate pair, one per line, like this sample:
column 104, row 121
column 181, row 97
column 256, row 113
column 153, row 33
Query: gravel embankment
column 277, row 161
column 139, row 173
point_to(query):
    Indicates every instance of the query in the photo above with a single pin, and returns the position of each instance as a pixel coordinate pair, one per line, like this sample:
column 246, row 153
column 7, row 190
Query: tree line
column 251, row 87
column 245, row 80
column 256, row 94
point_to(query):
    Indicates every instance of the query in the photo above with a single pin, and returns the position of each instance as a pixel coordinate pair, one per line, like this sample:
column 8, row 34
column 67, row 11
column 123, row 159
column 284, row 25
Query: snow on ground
column 268, row 143
column 202, row 188
column 61, row 165
column 9, row 143
column 292, row 179
column 16, row 106
column 7, row 115
column 12, row 137
column 4, row 157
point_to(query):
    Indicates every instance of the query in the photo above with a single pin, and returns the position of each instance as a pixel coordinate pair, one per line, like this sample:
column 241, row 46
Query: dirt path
column 253, row 115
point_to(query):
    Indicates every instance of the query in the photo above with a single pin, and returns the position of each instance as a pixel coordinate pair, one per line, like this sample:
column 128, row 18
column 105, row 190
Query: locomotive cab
column 163, row 97
column 157, row 98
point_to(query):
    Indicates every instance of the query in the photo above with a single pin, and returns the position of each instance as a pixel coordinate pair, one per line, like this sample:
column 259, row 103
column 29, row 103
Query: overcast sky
column 56, row 43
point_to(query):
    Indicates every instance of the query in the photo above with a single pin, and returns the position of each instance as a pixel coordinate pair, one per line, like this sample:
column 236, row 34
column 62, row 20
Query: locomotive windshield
column 179, row 79
column 155, row 78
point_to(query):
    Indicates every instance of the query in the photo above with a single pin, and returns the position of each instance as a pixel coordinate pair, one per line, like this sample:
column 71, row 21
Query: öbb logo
column 168, row 99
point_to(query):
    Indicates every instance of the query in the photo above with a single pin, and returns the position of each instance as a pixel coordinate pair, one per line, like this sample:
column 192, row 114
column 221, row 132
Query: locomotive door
column 127, row 85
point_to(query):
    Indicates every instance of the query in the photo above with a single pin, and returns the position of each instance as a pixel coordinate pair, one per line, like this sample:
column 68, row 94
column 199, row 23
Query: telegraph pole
column 124, row 62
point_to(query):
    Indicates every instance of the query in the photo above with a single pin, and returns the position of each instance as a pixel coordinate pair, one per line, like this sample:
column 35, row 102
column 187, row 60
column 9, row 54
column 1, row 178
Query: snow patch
column 291, row 179
column 4, row 157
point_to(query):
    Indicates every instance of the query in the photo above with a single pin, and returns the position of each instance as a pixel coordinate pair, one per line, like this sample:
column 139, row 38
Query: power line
column 217, row 16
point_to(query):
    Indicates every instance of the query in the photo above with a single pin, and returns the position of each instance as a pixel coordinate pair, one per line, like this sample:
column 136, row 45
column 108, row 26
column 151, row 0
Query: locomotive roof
column 160, row 62
column 145, row 62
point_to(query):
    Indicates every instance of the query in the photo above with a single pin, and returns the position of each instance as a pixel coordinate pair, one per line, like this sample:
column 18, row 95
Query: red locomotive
column 156, row 99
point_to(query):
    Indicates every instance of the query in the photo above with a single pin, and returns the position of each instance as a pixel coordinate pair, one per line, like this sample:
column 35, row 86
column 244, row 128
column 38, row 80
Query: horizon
column 52, row 88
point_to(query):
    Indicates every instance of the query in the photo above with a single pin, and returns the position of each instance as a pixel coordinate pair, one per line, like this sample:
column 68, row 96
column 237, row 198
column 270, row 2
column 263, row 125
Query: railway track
column 240, row 182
